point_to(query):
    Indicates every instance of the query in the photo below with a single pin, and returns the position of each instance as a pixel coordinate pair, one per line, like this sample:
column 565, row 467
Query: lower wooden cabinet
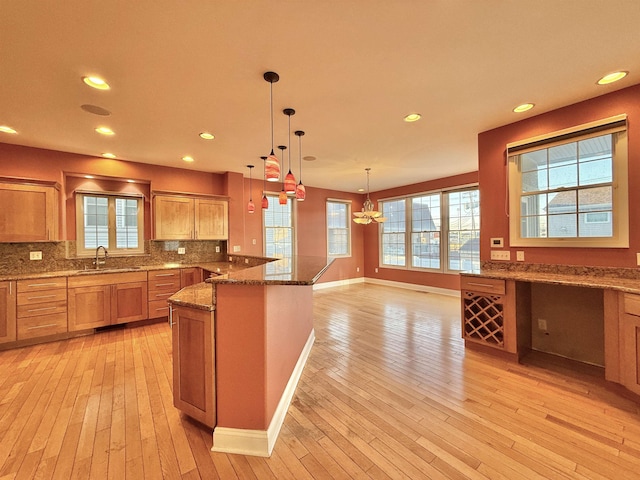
column 106, row 299
column 193, row 364
column 7, row 312
column 630, row 342
column 190, row 276
column 42, row 307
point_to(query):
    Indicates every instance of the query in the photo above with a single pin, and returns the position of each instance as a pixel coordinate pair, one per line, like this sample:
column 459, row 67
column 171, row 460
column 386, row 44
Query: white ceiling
column 350, row 68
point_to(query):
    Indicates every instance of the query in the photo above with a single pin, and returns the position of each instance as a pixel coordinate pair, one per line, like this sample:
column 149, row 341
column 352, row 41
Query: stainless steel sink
column 106, row 270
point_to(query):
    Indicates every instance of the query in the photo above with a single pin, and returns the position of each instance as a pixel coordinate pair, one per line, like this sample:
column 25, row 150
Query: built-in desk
column 586, row 314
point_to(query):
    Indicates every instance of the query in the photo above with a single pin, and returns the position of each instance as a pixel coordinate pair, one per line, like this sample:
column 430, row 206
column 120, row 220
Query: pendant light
column 265, row 200
column 282, row 196
column 301, row 192
column 368, row 214
column 272, row 165
column 289, row 180
column 250, row 206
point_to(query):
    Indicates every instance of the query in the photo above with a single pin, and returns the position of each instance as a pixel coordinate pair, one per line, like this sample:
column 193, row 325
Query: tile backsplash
column 58, row 256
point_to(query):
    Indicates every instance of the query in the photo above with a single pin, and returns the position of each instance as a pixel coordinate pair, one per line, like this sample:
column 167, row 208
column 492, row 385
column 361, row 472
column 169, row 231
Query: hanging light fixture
column 265, row 200
column 301, row 192
column 368, row 214
column 282, row 196
column 289, row 180
column 250, row 206
column 272, row 164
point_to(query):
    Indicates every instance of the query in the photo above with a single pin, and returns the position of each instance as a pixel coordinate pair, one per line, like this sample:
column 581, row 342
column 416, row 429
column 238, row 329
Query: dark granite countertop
column 590, row 277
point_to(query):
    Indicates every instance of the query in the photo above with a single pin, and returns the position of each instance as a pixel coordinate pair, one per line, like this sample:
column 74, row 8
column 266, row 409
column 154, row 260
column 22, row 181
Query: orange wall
column 371, row 239
column 492, row 174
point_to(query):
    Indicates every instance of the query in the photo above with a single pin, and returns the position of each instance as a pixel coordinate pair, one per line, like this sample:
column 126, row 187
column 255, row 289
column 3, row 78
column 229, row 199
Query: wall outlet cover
column 35, row 255
column 217, row 249
column 520, row 256
column 236, row 248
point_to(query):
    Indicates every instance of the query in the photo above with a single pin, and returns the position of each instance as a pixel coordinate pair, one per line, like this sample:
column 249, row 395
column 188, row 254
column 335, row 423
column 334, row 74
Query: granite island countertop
column 301, row 270
column 619, row 279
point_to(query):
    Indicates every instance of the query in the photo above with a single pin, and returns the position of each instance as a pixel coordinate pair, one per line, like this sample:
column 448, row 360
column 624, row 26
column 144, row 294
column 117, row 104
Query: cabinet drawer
column 42, row 296
column 158, row 308
column 165, row 275
column 33, row 310
column 161, row 295
column 482, row 284
column 632, row 304
column 38, row 284
column 165, row 285
column 42, row 325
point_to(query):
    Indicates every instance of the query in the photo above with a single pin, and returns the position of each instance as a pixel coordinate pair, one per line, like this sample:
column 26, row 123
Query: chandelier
column 368, row 214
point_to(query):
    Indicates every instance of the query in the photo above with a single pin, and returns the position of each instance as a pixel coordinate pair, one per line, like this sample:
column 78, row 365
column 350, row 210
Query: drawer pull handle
column 164, row 284
column 165, row 275
column 41, row 309
column 42, row 326
column 40, row 296
column 42, row 284
column 163, row 294
column 489, row 285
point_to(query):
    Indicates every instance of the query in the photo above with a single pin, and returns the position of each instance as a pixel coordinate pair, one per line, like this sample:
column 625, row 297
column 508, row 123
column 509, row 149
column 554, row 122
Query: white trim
column 413, row 286
column 260, row 443
column 338, row 283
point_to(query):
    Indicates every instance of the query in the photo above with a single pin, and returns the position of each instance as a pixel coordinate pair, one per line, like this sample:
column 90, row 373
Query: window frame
column 273, row 199
column 81, row 251
column 347, row 226
column 616, row 126
column 444, row 230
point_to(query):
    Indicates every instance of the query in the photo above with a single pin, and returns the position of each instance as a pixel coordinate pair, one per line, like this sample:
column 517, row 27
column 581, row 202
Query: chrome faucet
column 99, row 262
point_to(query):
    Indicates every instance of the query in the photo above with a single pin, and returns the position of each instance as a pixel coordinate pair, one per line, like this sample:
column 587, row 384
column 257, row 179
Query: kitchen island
column 240, row 342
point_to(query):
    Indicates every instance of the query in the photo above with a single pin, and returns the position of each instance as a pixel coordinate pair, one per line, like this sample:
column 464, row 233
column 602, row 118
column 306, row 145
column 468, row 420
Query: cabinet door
column 630, row 343
column 89, row 307
column 7, row 312
column 129, row 302
column 29, row 213
column 211, row 219
column 193, row 372
column 174, row 217
column 190, row 276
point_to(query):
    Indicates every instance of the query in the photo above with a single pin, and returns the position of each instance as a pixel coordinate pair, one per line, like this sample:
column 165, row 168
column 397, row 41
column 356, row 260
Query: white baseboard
column 260, row 443
column 414, row 286
column 338, row 283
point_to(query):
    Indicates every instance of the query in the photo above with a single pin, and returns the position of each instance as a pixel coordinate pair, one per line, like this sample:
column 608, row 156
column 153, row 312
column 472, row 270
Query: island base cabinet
column 7, row 312
column 193, row 368
column 630, row 343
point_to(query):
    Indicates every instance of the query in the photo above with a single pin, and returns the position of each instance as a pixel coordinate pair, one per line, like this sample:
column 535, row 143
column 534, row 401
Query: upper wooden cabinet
column 29, row 212
column 190, row 218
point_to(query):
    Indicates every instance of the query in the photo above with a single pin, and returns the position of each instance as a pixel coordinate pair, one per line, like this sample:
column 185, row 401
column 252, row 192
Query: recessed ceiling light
column 361, row 189
column 105, row 131
column 412, row 117
column 96, row 82
column 612, row 77
column 207, row 136
column 524, row 107
column 89, row 176
column 6, row 129
column 187, row 159
column 131, row 181
column 109, row 155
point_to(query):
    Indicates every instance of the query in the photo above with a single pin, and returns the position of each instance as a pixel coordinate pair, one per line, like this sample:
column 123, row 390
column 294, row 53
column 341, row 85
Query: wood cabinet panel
column 129, row 302
column 7, row 312
column 211, row 219
column 29, row 213
column 630, row 342
column 190, row 276
column 158, row 308
column 43, row 325
column 193, row 369
column 41, row 307
column 89, row 307
column 482, row 284
column 174, row 217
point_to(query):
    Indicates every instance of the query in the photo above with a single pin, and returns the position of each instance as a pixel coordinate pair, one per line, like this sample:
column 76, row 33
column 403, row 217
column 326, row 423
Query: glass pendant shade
column 282, row 198
column 290, row 183
column 265, row 202
column 272, row 168
column 251, row 207
column 368, row 214
column 301, row 192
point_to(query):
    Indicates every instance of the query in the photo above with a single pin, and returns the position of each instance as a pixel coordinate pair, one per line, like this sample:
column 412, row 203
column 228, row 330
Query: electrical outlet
column 246, row 260
column 638, row 258
column 35, row 255
column 376, row 269
column 236, row 248
column 254, row 241
column 501, row 255
column 182, row 250
column 542, row 324
column 357, row 269
column 520, row 256
column 217, row 248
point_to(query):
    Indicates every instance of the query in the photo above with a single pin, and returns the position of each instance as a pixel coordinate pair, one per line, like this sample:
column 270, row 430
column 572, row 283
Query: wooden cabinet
column 629, row 338
column 41, row 307
column 488, row 315
column 106, row 299
column 29, row 212
column 189, row 218
column 193, row 367
column 164, row 283
column 7, row 312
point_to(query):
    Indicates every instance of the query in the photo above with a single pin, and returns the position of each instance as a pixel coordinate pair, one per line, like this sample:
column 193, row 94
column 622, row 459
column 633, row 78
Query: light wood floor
column 388, row 392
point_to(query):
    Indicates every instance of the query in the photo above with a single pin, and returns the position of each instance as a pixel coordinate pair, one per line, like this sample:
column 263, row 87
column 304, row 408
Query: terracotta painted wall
column 492, row 175
column 371, row 239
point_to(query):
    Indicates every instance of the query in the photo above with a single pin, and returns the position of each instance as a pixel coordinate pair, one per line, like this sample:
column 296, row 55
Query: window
column 444, row 231
column 338, row 228
column 113, row 221
column 278, row 228
column 570, row 189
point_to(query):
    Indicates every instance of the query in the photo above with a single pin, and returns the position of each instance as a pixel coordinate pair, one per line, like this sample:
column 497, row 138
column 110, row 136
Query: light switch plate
column 35, row 255
column 501, row 255
column 236, row 248
column 520, row 256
